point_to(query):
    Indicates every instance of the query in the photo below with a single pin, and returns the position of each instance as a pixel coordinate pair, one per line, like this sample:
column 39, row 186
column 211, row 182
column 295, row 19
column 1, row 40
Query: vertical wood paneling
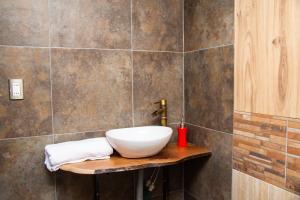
column 276, row 193
column 267, row 61
column 246, row 187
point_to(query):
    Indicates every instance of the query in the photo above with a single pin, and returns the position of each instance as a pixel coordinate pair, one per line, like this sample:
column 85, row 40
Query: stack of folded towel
column 76, row 151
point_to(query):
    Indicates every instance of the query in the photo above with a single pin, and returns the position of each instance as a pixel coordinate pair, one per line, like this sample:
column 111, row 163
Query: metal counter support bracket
column 165, row 182
column 139, row 192
column 96, row 187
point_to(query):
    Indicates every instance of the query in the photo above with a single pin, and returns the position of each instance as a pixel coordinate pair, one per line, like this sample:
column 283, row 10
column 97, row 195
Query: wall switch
column 16, row 89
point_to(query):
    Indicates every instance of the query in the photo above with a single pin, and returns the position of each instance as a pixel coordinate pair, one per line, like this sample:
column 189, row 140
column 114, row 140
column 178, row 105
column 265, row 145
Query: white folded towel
column 76, row 151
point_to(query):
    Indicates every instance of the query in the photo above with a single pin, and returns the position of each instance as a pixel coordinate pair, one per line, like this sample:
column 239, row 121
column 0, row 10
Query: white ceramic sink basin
column 139, row 142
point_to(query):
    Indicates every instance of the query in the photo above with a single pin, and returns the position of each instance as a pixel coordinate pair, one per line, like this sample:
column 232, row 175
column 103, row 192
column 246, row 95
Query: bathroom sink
column 138, row 142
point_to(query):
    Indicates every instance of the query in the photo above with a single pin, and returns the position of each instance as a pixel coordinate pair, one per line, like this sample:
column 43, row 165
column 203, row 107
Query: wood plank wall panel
column 246, row 187
column 267, row 61
column 259, row 146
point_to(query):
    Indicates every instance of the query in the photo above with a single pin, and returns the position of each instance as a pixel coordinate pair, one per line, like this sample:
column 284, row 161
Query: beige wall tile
column 245, row 187
column 277, row 193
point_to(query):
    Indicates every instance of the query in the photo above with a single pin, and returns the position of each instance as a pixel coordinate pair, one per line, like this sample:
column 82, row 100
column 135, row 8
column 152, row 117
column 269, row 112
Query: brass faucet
column 162, row 111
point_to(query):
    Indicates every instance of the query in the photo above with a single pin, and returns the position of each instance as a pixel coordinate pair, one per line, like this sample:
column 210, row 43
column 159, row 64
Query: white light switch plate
column 16, row 89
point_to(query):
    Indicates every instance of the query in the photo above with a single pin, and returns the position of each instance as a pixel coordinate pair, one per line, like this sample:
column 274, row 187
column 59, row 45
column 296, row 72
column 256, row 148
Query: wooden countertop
column 170, row 155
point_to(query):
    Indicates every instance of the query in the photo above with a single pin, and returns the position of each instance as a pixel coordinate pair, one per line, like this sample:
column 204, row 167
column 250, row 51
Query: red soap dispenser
column 182, row 135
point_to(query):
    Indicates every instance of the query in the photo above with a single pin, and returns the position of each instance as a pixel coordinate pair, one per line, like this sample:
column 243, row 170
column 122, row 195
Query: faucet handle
column 158, row 102
column 162, row 102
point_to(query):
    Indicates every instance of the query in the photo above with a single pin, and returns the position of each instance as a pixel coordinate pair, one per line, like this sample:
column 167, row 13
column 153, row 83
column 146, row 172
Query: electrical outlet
column 16, row 89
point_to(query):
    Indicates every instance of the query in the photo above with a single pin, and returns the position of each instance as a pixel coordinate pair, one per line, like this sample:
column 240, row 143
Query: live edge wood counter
column 170, row 155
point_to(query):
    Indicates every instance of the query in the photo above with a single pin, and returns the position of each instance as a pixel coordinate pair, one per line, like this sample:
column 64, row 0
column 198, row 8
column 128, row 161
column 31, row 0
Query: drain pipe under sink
column 140, row 185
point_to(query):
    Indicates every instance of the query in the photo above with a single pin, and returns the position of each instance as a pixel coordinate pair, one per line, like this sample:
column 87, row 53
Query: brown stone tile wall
column 209, row 88
column 98, row 24
column 267, row 147
column 208, row 93
column 155, row 25
column 32, row 116
column 86, row 87
column 24, row 23
column 157, row 75
column 208, row 23
column 83, row 74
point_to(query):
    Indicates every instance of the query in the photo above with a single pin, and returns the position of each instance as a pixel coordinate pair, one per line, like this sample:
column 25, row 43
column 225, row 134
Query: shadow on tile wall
column 209, row 178
column 76, row 62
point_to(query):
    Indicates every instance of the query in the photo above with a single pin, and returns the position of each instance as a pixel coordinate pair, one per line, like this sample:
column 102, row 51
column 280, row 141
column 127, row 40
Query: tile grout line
column 79, row 132
column 183, row 68
column 26, row 137
column 55, row 134
column 208, row 128
column 28, row 46
column 232, row 149
column 132, row 97
column 293, row 156
column 213, row 47
column 277, row 116
column 155, row 51
column 286, row 151
column 90, row 48
column 50, row 71
column 86, row 48
column 51, row 89
column 183, row 86
column 132, row 68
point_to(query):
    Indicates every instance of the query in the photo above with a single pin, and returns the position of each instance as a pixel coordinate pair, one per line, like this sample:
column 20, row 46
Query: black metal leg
column 166, row 182
column 96, row 187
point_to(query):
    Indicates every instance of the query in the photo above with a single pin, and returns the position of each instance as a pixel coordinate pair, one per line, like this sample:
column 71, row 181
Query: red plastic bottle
column 182, row 135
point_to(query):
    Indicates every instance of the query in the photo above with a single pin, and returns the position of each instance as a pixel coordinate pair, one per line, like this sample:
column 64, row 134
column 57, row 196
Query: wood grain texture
column 168, row 156
column 276, row 193
column 267, row 61
column 246, row 187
